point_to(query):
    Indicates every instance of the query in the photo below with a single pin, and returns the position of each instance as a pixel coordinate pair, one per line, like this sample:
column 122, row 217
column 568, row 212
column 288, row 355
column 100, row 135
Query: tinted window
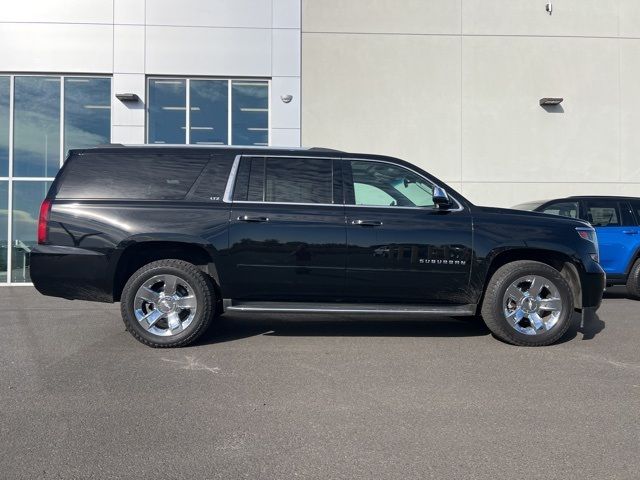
column 604, row 213
column 384, row 184
column 564, row 209
column 131, row 176
column 635, row 205
column 288, row 180
column 213, row 181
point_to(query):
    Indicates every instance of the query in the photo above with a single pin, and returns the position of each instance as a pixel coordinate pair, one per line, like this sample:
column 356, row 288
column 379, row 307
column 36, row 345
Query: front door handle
column 367, row 223
column 630, row 232
column 247, row 218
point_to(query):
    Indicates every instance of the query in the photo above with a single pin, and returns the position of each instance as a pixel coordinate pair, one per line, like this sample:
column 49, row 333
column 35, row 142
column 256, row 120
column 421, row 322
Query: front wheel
column 168, row 303
column 528, row 303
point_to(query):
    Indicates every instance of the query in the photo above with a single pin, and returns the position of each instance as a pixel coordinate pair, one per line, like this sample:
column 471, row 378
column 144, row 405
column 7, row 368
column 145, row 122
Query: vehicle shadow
column 589, row 327
column 617, row 293
column 230, row 327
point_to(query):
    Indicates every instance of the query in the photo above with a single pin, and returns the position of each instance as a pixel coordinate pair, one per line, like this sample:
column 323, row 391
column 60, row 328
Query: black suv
column 180, row 235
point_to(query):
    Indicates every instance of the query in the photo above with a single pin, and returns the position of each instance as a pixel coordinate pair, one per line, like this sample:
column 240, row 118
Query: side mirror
column 440, row 198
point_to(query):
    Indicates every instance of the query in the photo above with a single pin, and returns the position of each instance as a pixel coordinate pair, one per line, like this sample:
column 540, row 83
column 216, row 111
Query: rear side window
column 130, row 176
column 608, row 213
column 213, row 181
column 285, row 180
column 564, row 209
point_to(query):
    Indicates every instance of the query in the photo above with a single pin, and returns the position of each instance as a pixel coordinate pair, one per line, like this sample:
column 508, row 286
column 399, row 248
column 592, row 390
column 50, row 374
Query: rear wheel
column 633, row 282
column 168, row 303
column 528, row 303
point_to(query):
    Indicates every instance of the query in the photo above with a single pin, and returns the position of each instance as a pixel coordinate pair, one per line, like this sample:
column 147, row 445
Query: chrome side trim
column 452, row 311
column 228, row 193
column 231, row 181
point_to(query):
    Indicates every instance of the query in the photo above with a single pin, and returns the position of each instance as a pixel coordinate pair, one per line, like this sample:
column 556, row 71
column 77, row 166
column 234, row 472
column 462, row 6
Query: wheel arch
column 137, row 254
column 557, row 260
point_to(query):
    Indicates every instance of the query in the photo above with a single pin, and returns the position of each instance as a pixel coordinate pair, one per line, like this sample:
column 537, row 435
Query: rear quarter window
column 130, row 176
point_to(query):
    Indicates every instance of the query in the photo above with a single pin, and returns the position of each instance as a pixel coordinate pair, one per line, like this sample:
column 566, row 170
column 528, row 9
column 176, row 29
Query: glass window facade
column 208, row 111
column 4, row 125
column 87, row 112
column 27, row 196
column 41, row 117
column 36, row 126
column 4, row 229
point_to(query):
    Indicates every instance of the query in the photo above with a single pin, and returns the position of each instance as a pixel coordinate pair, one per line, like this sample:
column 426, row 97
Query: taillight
column 589, row 233
column 43, row 221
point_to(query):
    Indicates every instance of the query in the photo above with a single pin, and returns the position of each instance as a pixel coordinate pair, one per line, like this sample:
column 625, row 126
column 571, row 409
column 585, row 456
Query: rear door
column 287, row 237
column 617, row 232
column 401, row 249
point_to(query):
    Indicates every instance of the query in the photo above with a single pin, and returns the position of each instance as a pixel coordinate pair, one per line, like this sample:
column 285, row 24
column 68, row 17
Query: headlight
column 589, row 234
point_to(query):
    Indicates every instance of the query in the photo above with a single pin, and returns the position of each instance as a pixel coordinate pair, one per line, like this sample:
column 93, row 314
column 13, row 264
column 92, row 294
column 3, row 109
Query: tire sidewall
column 128, row 301
column 566, row 296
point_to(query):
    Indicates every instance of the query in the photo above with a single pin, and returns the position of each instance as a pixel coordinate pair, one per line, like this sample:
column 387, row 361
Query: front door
column 618, row 234
column 401, row 248
column 287, row 238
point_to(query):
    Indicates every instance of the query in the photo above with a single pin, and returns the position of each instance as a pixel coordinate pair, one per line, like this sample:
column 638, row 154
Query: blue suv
column 617, row 224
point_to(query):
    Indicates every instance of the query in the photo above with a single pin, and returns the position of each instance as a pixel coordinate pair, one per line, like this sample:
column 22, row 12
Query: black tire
column 493, row 309
column 633, row 281
column 203, row 291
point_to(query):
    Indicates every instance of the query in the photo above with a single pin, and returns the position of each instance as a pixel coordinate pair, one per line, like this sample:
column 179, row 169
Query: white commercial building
column 451, row 85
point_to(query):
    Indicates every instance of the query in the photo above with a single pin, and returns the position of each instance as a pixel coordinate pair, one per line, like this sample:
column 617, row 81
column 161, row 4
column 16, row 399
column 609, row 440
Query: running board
column 301, row 307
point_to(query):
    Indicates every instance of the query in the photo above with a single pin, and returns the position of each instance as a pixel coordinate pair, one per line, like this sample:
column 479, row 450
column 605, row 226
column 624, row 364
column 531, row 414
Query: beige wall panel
column 629, row 18
column 389, row 16
column 528, row 17
column 630, row 111
column 507, row 136
column 391, row 94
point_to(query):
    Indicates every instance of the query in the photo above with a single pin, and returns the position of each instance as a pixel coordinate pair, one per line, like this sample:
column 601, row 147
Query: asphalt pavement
column 321, row 396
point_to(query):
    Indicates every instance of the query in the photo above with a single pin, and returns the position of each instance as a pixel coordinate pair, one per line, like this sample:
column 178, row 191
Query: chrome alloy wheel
column 532, row 305
column 165, row 305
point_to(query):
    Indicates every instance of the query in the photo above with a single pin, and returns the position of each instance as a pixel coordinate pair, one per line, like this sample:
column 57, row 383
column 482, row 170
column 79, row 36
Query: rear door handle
column 247, row 218
column 367, row 223
column 630, row 232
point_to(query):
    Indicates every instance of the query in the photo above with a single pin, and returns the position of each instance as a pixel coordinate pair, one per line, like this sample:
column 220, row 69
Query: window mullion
column 61, row 121
column 10, row 185
column 229, row 116
column 188, row 112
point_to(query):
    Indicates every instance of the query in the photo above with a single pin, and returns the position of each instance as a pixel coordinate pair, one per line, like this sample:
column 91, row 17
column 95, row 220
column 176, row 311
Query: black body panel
column 303, row 252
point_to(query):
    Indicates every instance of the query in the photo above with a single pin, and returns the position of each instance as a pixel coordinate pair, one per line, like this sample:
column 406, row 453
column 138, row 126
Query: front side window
column 564, row 209
column 205, row 111
column 387, row 185
column 285, row 180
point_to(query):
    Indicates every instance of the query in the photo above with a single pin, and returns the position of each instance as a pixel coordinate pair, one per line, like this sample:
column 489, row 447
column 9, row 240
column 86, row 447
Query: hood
column 526, row 215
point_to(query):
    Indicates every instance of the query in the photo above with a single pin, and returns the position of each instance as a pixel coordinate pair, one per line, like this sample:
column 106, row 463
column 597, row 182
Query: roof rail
column 324, row 149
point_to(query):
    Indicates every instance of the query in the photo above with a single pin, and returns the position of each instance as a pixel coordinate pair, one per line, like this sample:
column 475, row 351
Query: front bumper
column 70, row 272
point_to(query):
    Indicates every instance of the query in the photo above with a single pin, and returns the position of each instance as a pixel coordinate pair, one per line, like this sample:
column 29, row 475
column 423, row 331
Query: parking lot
column 314, row 397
